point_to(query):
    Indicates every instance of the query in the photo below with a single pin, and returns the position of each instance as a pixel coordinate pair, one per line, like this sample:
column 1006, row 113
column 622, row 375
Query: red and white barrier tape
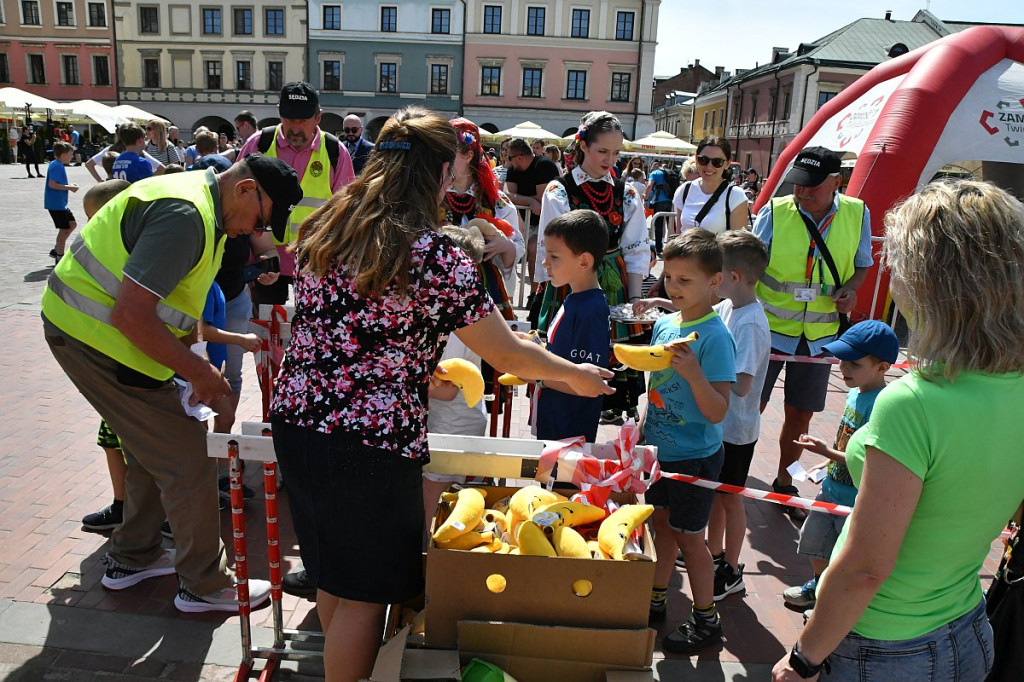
column 754, row 494
column 825, row 361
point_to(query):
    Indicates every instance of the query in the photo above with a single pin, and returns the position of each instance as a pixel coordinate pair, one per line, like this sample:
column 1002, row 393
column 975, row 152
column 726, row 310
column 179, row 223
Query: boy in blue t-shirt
column 576, row 243
column 866, row 352
column 130, row 165
column 687, row 403
column 55, row 197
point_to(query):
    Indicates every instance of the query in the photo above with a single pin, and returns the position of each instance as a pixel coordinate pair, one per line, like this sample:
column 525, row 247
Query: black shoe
column 691, row 637
column 105, row 519
column 165, row 530
column 54, row 255
column 718, row 559
column 297, row 584
column 728, row 580
column 224, row 485
column 612, row 417
column 798, row 514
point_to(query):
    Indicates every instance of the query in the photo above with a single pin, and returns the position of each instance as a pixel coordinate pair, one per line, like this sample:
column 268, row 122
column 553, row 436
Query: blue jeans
column 959, row 651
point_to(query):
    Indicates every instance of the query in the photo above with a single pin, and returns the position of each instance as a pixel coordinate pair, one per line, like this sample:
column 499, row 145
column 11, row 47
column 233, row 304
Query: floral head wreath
column 581, row 133
column 467, row 138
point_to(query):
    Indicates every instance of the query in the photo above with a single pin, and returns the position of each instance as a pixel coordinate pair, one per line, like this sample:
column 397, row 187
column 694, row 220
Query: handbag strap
column 703, row 213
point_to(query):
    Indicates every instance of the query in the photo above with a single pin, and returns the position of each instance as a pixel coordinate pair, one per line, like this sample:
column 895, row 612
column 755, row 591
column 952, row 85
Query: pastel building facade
column 372, row 58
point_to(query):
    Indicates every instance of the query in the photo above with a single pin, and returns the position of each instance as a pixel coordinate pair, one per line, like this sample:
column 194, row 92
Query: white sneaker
column 221, row 600
column 119, row 576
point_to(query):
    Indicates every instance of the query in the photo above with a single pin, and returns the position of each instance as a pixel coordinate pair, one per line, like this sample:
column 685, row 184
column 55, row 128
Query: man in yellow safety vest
column 803, row 293
column 118, row 311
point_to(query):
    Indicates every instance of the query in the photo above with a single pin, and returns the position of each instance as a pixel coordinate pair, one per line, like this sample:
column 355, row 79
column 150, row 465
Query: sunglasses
column 263, row 227
column 705, row 160
column 351, row 130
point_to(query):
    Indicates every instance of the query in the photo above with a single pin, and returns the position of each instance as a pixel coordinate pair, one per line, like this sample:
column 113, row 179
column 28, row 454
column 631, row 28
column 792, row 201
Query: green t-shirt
column 964, row 440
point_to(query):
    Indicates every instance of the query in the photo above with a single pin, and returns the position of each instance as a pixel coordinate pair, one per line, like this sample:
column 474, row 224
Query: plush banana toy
column 567, row 542
column 532, row 540
column 469, row 540
column 511, row 380
column 466, row 376
column 526, row 501
column 568, row 513
column 649, row 358
column 619, row 525
column 464, row 517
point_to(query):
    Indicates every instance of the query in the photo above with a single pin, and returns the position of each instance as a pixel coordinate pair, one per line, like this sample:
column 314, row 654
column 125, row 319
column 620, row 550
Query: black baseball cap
column 812, row 166
column 298, row 100
column 281, row 184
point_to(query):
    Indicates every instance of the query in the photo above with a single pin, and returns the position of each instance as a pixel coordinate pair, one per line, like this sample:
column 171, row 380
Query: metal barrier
column 670, row 226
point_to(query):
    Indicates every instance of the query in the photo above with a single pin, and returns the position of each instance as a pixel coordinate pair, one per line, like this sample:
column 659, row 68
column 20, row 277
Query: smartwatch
column 802, row 666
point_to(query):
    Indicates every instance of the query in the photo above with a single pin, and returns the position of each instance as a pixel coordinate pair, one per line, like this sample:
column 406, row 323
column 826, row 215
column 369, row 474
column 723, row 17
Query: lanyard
column 810, row 252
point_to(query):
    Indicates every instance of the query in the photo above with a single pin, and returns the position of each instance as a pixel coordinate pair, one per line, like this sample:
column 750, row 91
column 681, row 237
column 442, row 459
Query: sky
column 741, row 33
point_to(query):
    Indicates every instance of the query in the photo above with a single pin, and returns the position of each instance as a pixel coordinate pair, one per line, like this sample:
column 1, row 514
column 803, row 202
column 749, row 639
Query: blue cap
column 870, row 337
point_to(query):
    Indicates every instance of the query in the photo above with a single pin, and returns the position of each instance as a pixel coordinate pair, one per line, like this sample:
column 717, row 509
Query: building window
column 753, row 109
column 100, row 69
column 36, row 69
column 213, row 81
column 243, row 21
column 243, row 75
column 440, row 20
column 151, row 73
column 65, row 14
column 787, row 97
column 532, row 80
column 492, row 18
column 705, row 120
column 624, row 25
column 621, row 87
column 149, row 20
column 438, row 79
column 69, row 65
column 388, row 19
column 332, row 75
column 825, row 97
column 211, row 21
column 721, row 117
column 332, row 17
column 388, row 77
column 275, row 76
column 714, row 115
column 5, row 69
column 30, row 13
column 535, row 21
column 273, row 19
column 772, row 103
column 97, row 14
column 576, row 87
column 490, row 80
column 581, row 23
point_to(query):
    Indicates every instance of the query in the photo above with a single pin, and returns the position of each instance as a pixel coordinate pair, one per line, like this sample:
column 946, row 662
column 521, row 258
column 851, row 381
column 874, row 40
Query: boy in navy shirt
column 55, row 197
column 130, row 166
column 575, row 245
column 686, row 405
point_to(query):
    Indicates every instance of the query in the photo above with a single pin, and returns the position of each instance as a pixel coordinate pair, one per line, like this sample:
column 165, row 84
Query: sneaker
column 55, row 255
column 728, row 580
column 634, row 415
column 612, row 417
column 118, row 576
column 297, row 584
column 718, row 559
column 165, row 530
column 691, row 637
column 224, row 485
column 807, row 615
column 658, row 609
column 221, row 600
column 801, row 597
column 796, row 513
column 105, row 519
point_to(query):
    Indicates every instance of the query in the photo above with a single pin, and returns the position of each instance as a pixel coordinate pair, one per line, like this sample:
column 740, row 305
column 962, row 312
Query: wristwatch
column 802, row 667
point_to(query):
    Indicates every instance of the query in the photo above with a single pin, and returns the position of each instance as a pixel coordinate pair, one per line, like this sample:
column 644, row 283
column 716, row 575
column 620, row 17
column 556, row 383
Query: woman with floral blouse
column 378, row 288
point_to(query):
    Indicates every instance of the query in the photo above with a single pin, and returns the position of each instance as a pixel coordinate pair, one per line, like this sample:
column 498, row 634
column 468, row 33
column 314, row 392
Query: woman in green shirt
column 938, row 465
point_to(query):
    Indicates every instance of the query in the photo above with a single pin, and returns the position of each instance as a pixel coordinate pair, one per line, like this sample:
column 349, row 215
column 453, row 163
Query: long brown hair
column 371, row 224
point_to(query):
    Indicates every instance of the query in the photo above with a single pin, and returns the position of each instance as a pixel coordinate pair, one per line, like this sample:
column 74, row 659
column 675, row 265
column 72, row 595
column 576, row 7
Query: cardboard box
column 537, row 653
column 538, row 591
column 396, row 663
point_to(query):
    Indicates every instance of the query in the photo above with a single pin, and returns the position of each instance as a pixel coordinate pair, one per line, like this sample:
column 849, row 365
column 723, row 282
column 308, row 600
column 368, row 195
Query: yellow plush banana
column 493, row 517
column 490, row 548
column 464, row 517
column 532, row 540
column 511, row 380
column 526, row 501
column 617, row 528
column 567, row 542
column 649, row 358
column 466, row 376
column 569, row 514
column 595, row 550
column 468, row 540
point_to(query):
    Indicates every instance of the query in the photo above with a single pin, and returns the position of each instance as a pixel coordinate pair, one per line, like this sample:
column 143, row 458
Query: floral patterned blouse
column 363, row 364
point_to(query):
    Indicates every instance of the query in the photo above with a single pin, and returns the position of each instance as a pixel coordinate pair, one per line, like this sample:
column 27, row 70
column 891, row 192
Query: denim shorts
column 689, row 507
column 959, row 651
column 820, row 531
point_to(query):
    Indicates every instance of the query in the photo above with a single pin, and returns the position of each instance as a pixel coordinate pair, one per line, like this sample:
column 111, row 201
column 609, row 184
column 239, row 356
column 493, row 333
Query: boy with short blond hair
column 687, row 403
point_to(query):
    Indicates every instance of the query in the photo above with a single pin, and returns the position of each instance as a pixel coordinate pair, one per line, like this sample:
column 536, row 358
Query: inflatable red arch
column 909, row 116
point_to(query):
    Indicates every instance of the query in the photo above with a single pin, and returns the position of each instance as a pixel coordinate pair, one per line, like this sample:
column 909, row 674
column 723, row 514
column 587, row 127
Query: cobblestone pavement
column 58, row 623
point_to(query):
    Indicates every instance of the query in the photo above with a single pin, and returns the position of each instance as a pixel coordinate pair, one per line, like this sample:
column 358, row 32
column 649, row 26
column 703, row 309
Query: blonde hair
column 956, row 250
column 161, row 131
column 371, row 224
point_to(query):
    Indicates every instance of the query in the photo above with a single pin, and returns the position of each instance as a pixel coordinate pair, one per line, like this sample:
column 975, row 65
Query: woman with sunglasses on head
column 711, row 202
column 590, row 185
column 159, row 147
column 377, row 288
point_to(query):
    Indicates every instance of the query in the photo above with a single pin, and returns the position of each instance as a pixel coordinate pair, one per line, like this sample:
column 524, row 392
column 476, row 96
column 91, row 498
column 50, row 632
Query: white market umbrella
column 91, row 111
column 16, row 100
column 528, row 130
column 136, row 114
column 661, row 141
